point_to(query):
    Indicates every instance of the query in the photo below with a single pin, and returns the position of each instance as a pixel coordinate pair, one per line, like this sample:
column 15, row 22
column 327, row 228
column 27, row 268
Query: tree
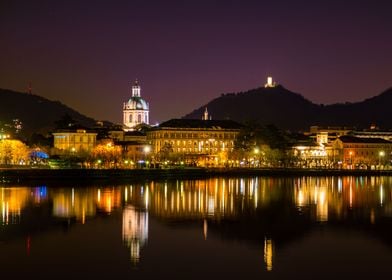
column 107, row 153
column 264, row 142
column 13, row 152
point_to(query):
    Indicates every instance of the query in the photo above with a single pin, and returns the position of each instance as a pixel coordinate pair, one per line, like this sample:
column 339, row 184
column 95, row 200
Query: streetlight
column 380, row 155
column 146, row 150
column 351, row 161
column 256, row 151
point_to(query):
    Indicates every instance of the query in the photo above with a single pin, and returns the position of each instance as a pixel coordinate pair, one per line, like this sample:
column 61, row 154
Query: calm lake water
column 221, row 228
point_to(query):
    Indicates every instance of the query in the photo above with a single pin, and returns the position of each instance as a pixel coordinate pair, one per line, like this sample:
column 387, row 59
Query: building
column 205, row 142
column 327, row 134
column 270, row 83
column 311, row 155
column 133, row 145
column 356, row 152
column 337, row 130
column 74, row 141
column 386, row 135
column 135, row 110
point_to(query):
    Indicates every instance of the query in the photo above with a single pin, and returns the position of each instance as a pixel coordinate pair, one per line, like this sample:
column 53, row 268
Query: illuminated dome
column 137, row 103
column 135, row 110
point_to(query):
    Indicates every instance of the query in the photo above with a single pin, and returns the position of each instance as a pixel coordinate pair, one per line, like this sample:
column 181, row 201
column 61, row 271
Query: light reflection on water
column 251, row 210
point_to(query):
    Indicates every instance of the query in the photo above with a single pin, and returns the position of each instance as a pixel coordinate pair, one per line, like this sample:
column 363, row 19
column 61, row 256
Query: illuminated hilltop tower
column 270, row 83
column 135, row 111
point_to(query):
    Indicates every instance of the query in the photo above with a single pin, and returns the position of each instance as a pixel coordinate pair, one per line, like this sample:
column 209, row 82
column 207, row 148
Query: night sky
column 86, row 54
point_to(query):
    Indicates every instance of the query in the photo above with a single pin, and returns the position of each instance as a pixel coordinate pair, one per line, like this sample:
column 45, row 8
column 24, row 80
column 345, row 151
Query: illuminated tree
column 13, row 152
column 107, row 154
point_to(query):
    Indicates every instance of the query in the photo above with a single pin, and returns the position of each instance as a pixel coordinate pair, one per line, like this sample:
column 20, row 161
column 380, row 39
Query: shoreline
column 92, row 176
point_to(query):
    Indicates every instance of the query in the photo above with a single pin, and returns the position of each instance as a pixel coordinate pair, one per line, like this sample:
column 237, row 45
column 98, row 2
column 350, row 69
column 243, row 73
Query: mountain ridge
column 292, row 111
column 38, row 114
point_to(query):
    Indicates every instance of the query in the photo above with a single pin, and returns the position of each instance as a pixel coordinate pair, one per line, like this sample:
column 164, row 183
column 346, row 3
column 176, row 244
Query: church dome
column 137, row 103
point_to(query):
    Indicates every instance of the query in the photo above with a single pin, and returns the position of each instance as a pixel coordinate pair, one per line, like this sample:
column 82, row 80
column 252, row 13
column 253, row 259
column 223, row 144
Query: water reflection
column 134, row 230
column 14, row 199
column 270, row 212
column 268, row 253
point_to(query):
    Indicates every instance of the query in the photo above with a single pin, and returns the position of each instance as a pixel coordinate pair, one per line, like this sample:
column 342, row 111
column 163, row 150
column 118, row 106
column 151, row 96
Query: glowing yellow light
column 205, row 229
column 268, row 253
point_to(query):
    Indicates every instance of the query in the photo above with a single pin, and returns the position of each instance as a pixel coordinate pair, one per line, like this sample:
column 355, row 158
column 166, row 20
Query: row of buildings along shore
column 208, row 142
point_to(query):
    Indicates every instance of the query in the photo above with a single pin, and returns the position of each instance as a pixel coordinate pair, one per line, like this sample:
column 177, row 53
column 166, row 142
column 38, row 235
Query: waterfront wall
column 129, row 175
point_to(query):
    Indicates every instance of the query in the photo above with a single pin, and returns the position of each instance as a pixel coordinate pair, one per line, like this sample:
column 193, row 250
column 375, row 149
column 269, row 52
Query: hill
column 289, row 110
column 37, row 114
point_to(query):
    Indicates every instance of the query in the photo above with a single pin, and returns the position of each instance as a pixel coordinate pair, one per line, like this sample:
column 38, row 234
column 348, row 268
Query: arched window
column 139, row 118
column 130, row 118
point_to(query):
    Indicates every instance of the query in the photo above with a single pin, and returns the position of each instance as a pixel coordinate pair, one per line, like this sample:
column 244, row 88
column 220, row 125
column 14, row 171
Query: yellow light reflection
column 268, row 253
column 205, row 229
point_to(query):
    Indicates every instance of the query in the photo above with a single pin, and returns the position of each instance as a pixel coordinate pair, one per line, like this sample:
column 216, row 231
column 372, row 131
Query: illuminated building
column 270, row 83
column 312, row 155
column 354, row 151
column 134, row 230
column 326, row 135
column 331, row 133
column 74, row 141
column 333, row 130
column 386, row 135
column 135, row 110
column 205, row 116
column 207, row 141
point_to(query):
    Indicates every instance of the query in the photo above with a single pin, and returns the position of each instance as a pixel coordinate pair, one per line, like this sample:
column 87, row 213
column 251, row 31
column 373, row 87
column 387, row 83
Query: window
column 130, row 118
column 139, row 118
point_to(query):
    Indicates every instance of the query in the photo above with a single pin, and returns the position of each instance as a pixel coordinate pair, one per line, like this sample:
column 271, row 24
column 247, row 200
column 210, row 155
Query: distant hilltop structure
column 270, row 83
column 136, row 109
column 205, row 116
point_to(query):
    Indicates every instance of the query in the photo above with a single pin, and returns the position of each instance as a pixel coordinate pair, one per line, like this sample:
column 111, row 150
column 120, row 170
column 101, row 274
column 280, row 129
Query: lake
column 219, row 228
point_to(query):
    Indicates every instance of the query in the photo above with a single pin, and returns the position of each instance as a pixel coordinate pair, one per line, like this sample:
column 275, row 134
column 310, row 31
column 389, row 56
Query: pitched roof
column 206, row 124
column 353, row 139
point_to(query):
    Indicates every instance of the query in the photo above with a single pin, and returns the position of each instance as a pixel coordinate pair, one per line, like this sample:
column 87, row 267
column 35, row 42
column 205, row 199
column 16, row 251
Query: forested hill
column 37, row 114
column 288, row 110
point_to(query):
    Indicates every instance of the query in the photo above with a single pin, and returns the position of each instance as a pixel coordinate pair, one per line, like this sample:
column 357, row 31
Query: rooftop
column 206, row 124
column 353, row 139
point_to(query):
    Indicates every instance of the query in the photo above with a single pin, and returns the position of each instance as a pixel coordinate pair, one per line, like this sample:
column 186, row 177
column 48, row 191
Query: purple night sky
column 185, row 53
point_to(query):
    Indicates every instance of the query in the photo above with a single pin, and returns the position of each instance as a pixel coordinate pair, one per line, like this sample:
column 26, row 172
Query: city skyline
column 87, row 55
